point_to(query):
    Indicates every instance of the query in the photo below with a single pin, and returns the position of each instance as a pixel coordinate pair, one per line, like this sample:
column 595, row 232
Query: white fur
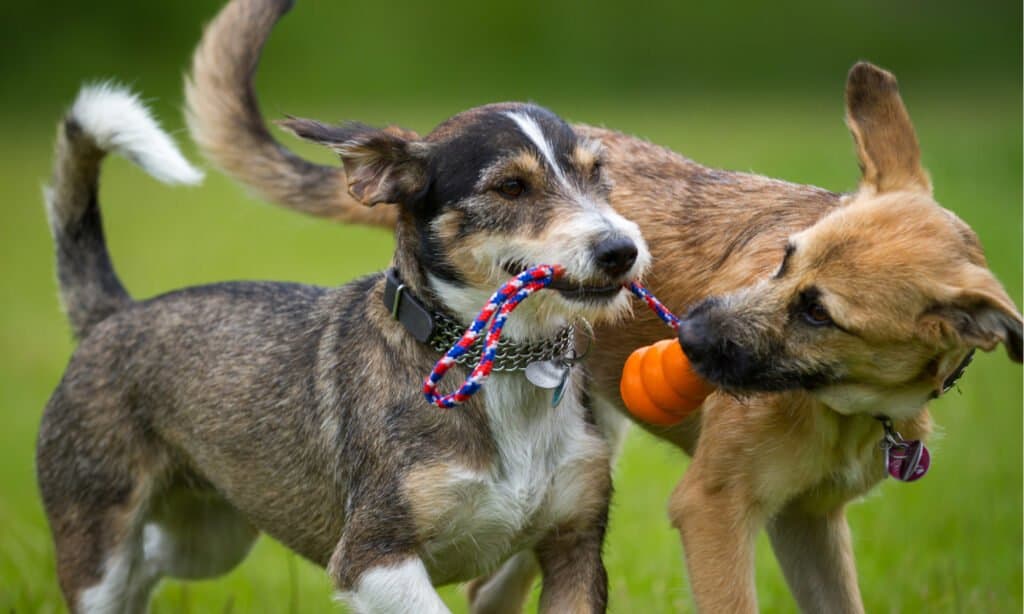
column 116, row 120
column 570, row 244
column 533, row 486
column 533, row 131
column 897, row 402
column 401, row 588
column 124, row 587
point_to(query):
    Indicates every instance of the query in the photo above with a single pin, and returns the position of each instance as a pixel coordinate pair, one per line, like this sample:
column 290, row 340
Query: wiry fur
column 104, row 118
column 186, row 423
column 788, row 460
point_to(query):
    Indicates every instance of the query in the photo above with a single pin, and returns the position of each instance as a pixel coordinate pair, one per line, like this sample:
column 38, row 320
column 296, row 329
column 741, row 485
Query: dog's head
column 490, row 192
column 875, row 307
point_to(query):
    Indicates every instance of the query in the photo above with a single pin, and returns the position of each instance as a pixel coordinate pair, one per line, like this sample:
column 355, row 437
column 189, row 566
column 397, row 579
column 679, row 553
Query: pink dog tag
column 907, row 461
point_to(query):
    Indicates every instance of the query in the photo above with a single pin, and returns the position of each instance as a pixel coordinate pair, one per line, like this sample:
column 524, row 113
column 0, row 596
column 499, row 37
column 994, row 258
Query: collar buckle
column 404, row 307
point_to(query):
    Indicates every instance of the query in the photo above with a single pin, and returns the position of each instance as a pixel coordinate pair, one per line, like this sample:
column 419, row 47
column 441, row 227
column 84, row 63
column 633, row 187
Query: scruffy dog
column 187, row 423
column 815, row 312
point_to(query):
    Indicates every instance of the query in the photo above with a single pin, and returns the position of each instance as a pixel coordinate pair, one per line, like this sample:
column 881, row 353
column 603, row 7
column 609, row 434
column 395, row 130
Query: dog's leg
column 100, row 561
column 816, row 557
column 193, row 535
column 505, row 591
column 402, row 586
column 96, row 473
column 376, row 566
column 572, row 571
column 718, row 525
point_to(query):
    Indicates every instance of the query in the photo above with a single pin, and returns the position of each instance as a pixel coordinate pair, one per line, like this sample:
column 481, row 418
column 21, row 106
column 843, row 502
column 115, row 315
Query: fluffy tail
column 224, row 118
column 104, row 118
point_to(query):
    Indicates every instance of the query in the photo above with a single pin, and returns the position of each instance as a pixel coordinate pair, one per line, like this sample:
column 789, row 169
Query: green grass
column 950, row 543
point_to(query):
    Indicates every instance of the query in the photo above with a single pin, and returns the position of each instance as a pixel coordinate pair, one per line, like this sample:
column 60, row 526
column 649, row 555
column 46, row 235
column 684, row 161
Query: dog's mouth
column 573, row 289
column 577, row 291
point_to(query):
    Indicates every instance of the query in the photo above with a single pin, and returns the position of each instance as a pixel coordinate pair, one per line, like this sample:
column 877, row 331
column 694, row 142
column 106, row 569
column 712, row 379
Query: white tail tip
column 116, row 120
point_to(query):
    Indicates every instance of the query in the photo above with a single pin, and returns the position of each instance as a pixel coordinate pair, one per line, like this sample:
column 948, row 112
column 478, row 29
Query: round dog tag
column 546, row 374
column 908, row 461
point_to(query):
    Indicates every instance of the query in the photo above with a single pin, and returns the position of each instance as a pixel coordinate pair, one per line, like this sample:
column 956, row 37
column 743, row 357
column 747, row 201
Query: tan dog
column 816, row 312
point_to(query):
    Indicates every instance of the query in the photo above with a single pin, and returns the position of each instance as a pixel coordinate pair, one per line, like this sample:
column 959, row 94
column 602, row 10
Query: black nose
column 702, row 337
column 713, row 354
column 615, row 256
column 695, row 338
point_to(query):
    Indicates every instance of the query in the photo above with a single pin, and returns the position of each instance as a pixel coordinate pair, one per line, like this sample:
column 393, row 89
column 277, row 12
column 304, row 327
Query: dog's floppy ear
column 981, row 314
column 382, row 166
column 890, row 157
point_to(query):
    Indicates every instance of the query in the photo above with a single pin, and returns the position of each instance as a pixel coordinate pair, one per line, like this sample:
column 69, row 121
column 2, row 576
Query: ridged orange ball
column 659, row 386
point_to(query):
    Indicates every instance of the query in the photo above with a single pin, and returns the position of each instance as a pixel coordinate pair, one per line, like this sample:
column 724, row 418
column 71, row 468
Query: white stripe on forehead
column 533, row 131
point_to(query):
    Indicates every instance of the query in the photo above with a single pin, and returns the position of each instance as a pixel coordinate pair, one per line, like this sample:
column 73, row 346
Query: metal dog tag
column 546, row 374
column 556, row 397
column 549, row 375
column 907, row 461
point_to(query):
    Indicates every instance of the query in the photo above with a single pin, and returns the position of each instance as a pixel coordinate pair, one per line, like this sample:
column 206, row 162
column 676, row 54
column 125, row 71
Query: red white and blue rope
column 496, row 312
column 656, row 306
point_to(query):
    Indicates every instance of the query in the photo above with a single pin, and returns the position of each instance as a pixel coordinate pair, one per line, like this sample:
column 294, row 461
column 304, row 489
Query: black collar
column 407, row 309
column 957, row 373
column 441, row 331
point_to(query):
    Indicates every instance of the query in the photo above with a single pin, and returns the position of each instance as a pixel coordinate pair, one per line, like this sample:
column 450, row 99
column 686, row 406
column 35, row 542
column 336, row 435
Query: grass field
column 950, row 543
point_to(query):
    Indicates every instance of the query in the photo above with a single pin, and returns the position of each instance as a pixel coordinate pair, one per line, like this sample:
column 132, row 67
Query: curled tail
column 104, row 118
column 225, row 121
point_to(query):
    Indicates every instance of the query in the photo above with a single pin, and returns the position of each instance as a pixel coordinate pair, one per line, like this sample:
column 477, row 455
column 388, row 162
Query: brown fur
column 223, row 112
column 904, row 278
column 187, row 423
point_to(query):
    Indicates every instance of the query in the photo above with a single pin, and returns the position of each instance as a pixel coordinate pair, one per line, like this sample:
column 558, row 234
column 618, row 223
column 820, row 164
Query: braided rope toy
column 657, row 383
column 495, row 311
column 656, row 306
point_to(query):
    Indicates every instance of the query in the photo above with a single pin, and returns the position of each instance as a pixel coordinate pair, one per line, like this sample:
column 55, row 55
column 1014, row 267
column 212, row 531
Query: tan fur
column 906, row 277
column 431, row 496
column 217, row 103
column 524, row 164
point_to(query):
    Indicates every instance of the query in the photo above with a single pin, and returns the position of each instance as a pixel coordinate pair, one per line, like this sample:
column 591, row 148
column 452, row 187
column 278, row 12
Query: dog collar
column 957, row 373
column 441, row 331
column 905, row 460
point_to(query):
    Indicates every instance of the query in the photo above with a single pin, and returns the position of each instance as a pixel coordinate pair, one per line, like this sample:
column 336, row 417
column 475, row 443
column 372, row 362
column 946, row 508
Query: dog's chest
column 536, row 480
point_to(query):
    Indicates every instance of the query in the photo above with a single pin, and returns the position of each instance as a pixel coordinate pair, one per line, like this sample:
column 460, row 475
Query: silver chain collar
column 510, row 356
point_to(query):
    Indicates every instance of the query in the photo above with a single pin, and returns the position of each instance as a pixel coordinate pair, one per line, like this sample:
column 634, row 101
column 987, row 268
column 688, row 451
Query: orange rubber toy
column 659, row 386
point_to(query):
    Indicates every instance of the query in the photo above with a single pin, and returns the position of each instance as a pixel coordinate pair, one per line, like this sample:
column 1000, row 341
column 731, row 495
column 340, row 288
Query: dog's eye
column 511, row 188
column 816, row 314
column 595, row 171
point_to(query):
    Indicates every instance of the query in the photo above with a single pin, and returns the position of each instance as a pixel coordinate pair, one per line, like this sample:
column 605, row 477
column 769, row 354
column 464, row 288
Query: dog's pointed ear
column 981, row 314
column 381, row 166
column 887, row 147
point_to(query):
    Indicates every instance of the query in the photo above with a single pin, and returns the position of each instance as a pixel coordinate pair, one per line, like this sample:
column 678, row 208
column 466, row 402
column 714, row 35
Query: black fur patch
column 471, row 143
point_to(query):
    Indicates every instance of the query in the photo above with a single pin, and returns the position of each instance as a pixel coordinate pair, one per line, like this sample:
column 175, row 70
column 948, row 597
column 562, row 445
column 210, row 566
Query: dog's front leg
column 816, row 557
column 506, row 590
column 572, row 572
column 718, row 523
column 377, row 571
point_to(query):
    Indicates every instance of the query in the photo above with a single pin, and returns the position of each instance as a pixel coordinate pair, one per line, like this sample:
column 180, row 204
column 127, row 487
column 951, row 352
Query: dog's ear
column 381, row 166
column 890, row 157
column 981, row 314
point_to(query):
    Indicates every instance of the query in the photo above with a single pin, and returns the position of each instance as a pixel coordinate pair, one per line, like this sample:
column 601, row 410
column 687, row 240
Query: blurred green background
column 742, row 85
